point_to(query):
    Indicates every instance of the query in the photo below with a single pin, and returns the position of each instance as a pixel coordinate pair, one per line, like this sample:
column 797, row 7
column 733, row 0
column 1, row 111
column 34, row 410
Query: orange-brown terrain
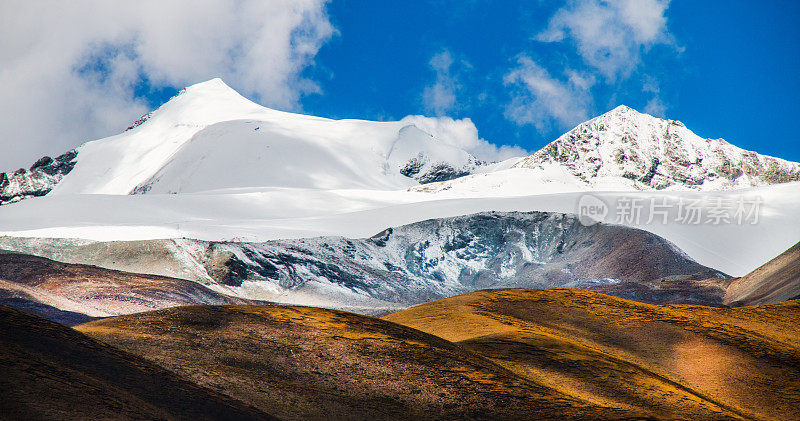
column 671, row 361
column 51, row 372
column 311, row 363
column 495, row 354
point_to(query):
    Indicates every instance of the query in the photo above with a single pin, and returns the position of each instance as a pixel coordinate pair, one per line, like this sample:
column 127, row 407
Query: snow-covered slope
column 403, row 265
column 631, row 150
column 211, row 165
column 257, row 216
column 209, row 137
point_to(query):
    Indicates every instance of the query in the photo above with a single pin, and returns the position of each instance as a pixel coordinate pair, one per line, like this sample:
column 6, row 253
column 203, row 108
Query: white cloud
column 610, row 35
column 655, row 107
column 542, row 100
column 463, row 134
column 70, row 69
column 440, row 97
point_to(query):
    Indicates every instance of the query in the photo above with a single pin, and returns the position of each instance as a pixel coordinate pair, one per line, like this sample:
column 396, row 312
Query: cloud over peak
column 610, row 35
column 542, row 100
column 74, row 72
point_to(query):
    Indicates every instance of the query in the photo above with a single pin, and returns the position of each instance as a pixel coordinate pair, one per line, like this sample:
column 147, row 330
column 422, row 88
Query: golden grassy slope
column 311, row 363
column 51, row 372
column 671, row 361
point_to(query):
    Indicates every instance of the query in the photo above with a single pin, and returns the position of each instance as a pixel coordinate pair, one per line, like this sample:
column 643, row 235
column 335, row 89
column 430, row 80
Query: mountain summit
column 630, row 149
column 210, row 138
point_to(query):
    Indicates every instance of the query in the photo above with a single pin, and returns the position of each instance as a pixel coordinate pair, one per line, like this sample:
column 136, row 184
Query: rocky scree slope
column 630, row 149
column 72, row 293
column 414, row 263
column 776, row 281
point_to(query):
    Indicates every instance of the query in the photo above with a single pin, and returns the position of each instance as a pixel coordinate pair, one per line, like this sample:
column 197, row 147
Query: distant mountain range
column 209, row 137
column 204, row 255
column 260, row 204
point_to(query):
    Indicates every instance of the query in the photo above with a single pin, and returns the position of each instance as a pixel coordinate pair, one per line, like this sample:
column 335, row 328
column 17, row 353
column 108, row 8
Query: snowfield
column 253, row 216
column 211, row 165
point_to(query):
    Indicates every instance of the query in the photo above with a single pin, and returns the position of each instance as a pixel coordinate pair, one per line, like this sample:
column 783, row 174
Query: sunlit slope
column 51, row 372
column 775, row 281
column 675, row 361
column 310, row 363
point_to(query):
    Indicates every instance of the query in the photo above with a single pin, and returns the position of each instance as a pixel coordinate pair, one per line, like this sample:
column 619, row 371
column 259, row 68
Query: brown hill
column 311, row 363
column 674, row 361
column 775, row 281
column 51, row 372
column 71, row 293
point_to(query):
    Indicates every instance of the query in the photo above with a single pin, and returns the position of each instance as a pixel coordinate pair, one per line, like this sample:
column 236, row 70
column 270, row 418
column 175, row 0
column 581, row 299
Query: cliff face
column 36, row 181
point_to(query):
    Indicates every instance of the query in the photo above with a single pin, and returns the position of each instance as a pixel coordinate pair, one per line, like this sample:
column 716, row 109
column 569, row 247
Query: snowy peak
column 209, row 137
column 635, row 150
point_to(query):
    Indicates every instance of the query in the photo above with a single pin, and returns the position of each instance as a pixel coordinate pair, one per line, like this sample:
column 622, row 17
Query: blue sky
column 523, row 71
column 732, row 70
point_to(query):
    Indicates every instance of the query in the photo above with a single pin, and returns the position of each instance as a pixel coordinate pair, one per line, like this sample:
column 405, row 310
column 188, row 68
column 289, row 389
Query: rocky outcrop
column 654, row 153
column 414, row 263
column 36, row 181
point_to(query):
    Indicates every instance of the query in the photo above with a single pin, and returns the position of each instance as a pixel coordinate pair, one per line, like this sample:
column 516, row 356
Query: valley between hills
column 503, row 354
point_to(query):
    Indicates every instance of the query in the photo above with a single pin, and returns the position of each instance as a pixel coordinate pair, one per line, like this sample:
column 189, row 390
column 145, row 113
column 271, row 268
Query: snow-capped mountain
column 403, row 265
column 629, row 149
column 212, row 165
column 209, row 137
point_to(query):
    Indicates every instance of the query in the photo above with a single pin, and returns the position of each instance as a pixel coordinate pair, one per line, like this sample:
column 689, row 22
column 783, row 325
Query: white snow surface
column 210, row 137
column 212, row 165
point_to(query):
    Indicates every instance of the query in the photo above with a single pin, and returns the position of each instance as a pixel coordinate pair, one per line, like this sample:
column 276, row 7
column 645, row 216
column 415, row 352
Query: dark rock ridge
column 423, row 261
column 36, row 181
column 441, row 171
column 437, row 258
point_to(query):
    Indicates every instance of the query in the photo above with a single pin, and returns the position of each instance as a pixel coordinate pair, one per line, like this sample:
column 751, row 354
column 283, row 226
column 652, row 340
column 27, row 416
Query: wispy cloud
column 610, row 35
column 542, row 100
column 440, row 97
column 655, row 106
column 71, row 71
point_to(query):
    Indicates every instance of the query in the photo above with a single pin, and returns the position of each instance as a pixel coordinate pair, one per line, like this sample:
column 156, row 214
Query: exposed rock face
column 441, row 171
column 656, row 154
column 36, row 181
column 139, row 121
column 415, row 263
column 418, row 155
